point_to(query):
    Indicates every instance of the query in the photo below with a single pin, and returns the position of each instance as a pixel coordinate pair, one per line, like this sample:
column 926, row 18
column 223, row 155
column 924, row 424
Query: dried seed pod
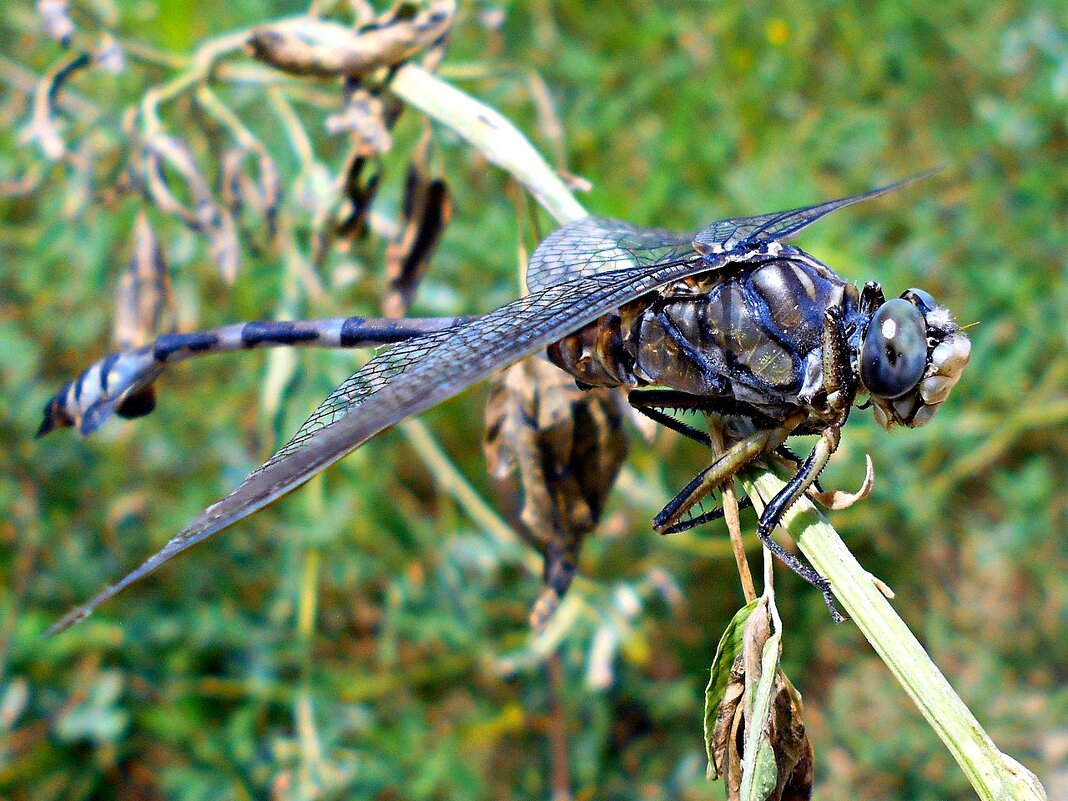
column 553, row 452
column 362, row 177
column 782, row 730
column 205, row 215
column 144, row 302
column 43, row 127
column 427, row 209
column 311, row 46
column 240, row 191
column 365, row 117
column 109, row 55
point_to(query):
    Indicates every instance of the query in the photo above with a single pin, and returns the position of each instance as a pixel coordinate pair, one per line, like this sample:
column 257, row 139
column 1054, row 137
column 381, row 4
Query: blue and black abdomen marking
column 123, row 383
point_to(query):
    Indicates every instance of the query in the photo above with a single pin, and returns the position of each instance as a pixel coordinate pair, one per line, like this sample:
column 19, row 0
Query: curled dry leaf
column 783, row 730
column 160, row 151
column 427, row 209
column 109, row 55
column 144, row 302
column 241, row 191
column 224, row 245
column 312, row 46
column 553, row 453
column 838, row 500
column 203, row 214
column 367, row 117
column 360, row 182
column 43, row 127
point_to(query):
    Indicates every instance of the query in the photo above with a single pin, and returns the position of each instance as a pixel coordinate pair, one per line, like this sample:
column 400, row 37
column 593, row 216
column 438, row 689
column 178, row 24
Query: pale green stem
column 494, row 136
column 993, row 774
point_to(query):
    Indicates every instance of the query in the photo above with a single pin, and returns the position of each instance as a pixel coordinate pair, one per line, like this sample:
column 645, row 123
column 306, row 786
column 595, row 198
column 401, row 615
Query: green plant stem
column 993, row 774
column 493, row 135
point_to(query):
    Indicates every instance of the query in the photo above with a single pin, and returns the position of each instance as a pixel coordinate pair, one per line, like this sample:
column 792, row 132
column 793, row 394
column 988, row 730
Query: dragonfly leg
column 666, row 420
column 720, row 471
column 654, row 403
column 787, row 496
column 839, row 382
column 704, row 517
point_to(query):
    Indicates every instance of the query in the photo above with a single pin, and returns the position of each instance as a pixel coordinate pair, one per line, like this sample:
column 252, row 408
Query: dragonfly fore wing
column 726, row 235
column 408, row 379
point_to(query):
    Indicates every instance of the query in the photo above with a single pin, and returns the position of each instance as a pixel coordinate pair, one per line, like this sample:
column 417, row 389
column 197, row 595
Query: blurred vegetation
column 349, row 641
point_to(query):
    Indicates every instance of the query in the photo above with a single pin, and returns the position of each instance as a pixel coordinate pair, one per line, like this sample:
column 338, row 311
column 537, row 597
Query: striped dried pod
column 427, row 210
column 203, row 214
column 144, row 301
column 311, row 46
column 553, row 453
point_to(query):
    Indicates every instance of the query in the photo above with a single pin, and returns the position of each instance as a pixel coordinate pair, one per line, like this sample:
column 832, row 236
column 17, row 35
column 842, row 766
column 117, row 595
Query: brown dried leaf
column 838, row 500
column 729, row 732
column 311, row 46
column 784, row 727
column 553, row 453
column 43, row 127
column 144, row 303
column 427, row 209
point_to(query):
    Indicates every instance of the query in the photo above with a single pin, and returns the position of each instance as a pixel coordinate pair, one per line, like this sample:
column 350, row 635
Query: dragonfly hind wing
column 407, row 379
column 595, row 245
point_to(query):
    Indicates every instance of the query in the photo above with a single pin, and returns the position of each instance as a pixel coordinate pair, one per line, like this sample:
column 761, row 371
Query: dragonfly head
column 911, row 356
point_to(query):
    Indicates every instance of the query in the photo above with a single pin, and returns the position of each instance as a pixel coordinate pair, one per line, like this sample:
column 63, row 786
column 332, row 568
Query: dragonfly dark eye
column 895, row 350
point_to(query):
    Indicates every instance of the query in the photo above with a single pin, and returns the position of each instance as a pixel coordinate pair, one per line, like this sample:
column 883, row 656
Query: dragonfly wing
column 726, row 236
column 409, row 378
column 595, row 245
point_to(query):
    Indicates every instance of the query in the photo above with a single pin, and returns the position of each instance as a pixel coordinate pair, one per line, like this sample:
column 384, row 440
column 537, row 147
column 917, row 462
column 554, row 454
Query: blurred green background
column 204, row 683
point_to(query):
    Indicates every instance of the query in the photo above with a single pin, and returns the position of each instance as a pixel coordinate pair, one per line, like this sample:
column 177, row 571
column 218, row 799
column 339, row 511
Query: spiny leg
column 654, row 403
column 730, row 462
column 666, row 420
column 704, row 517
column 785, row 498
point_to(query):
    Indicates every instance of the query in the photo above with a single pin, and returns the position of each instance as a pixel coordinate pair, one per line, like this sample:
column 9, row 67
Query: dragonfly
column 733, row 321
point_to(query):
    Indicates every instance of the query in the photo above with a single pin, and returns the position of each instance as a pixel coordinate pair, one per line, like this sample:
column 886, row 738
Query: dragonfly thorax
column 751, row 336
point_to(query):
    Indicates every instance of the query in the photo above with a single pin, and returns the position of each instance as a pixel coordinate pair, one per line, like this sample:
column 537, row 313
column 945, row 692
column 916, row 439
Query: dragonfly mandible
column 733, row 321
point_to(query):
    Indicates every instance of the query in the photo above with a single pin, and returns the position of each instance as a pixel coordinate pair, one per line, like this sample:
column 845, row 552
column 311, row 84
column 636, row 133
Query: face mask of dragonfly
column 912, row 354
column 733, row 323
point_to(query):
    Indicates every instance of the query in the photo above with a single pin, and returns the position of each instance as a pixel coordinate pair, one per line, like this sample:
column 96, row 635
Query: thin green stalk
column 491, row 133
column 994, row 775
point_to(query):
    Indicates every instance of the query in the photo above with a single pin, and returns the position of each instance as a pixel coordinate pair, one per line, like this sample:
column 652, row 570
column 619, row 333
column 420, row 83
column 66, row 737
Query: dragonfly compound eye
column 894, row 353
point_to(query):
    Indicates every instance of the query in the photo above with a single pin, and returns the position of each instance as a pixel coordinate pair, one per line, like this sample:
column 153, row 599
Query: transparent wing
column 728, row 235
column 410, row 378
column 595, row 245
